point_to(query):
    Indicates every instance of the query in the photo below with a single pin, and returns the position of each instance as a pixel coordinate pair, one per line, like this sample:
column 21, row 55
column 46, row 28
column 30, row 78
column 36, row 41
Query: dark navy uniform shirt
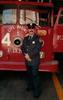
column 31, row 46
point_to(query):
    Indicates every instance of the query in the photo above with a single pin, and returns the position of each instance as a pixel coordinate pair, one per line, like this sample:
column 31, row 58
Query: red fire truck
column 14, row 15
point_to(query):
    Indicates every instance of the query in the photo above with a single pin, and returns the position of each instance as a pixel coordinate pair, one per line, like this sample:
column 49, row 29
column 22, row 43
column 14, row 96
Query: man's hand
column 27, row 57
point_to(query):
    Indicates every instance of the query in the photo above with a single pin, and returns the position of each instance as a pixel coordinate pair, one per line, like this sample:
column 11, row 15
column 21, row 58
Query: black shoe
column 28, row 89
column 36, row 96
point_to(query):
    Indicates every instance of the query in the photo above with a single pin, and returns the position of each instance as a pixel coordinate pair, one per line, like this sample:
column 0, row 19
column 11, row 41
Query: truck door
column 58, row 32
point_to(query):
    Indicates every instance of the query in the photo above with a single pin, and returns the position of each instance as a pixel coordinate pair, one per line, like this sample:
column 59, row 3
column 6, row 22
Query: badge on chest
column 33, row 42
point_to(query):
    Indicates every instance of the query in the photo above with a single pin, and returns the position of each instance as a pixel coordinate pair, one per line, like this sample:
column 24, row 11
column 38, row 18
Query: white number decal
column 6, row 39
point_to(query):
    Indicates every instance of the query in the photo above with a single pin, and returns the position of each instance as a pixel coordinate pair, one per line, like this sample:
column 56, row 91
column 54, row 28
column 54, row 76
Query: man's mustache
column 31, row 31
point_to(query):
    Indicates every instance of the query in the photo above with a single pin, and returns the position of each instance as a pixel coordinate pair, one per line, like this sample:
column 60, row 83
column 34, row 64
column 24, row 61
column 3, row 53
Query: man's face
column 31, row 31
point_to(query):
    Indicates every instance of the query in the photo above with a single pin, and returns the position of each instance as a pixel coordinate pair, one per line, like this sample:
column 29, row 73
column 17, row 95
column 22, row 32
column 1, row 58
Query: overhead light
column 19, row 0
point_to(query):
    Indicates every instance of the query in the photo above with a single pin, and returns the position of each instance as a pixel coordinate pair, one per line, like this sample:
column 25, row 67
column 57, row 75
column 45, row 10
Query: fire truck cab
column 58, row 35
column 14, row 16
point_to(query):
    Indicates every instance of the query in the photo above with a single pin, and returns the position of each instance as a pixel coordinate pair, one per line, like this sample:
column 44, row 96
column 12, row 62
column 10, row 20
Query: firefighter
column 31, row 49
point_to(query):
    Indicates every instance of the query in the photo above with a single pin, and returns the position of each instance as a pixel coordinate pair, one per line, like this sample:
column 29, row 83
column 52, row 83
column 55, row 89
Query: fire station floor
column 12, row 86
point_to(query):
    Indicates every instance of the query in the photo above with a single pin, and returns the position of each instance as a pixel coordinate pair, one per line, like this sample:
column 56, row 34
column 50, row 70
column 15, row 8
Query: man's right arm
column 24, row 50
column 23, row 47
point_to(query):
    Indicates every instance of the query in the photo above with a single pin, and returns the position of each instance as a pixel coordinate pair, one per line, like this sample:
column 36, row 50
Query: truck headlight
column 17, row 41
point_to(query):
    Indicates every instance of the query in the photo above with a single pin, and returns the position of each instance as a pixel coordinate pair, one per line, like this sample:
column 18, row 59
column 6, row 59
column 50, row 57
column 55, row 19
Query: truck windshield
column 23, row 14
column 35, row 14
column 8, row 14
column 60, row 20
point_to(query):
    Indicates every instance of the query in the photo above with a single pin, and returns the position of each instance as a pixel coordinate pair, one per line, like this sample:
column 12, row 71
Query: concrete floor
column 12, row 87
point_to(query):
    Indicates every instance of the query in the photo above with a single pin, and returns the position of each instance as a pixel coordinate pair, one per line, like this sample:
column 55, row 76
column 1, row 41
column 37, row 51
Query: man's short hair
column 31, row 26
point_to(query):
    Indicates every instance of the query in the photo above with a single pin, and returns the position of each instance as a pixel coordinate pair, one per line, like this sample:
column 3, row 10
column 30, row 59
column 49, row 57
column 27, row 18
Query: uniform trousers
column 33, row 79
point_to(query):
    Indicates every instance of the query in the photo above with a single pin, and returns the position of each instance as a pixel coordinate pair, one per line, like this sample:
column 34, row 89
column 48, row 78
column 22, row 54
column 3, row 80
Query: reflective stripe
column 58, row 87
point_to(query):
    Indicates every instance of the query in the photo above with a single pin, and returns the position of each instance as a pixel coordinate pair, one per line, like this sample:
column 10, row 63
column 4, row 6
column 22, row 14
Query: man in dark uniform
column 31, row 49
